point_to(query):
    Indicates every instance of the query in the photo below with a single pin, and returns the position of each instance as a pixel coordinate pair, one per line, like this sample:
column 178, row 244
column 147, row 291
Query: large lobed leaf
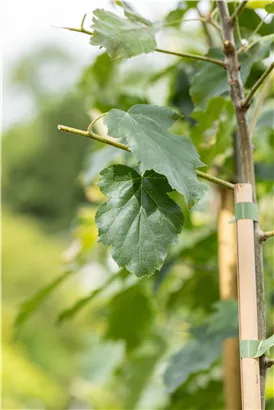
column 145, row 129
column 122, row 37
column 139, row 220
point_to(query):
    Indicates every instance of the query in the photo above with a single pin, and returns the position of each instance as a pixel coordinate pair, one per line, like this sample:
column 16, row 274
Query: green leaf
column 196, row 356
column 224, row 319
column 136, row 373
column 208, row 83
column 196, row 285
column 201, row 398
column 139, row 220
column 212, row 135
column 249, row 21
column 270, row 8
column 144, row 128
column 200, row 353
column 191, row 3
column 103, row 359
column 122, row 37
column 31, row 305
column 130, row 317
column 80, row 304
column 174, row 17
column 265, row 120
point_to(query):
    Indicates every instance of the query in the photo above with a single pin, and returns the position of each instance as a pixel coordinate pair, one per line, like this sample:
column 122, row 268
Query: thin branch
column 210, row 40
column 192, row 56
column 269, row 362
column 93, row 136
column 244, row 104
column 215, row 180
column 204, row 20
column 78, row 30
column 170, row 23
column 238, row 30
column 250, row 43
column 214, row 24
column 266, row 235
column 259, row 104
column 111, row 141
column 237, row 12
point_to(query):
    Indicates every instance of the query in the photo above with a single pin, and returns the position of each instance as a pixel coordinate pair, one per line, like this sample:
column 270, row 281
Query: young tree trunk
column 228, row 290
column 247, row 165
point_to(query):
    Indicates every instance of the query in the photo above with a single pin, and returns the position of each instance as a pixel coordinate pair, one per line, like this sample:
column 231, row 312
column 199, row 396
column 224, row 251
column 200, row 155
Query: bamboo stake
column 248, row 322
column 228, row 291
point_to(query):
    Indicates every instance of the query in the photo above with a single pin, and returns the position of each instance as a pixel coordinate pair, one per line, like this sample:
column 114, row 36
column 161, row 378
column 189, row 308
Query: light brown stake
column 228, row 291
column 248, row 322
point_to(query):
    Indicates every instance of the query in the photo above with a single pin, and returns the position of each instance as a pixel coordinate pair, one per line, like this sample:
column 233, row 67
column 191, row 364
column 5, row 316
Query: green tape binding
column 255, row 348
column 246, row 210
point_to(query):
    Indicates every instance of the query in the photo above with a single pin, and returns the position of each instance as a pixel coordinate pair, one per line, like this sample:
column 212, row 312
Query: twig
column 269, row 362
column 253, row 34
column 111, row 141
column 78, row 30
column 244, row 104
column 208, row 35
column 170, row 23
column 192, row 56
column 259, row 104
column 238, row 28
column 93, row 136
column 237, row 12
column 215, row 180
column 266, row 235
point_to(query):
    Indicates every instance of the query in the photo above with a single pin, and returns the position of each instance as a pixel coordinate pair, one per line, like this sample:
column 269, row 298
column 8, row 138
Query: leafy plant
column 141, row 219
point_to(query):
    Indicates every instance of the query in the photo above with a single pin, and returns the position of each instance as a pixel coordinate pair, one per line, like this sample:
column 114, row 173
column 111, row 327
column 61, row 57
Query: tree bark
column 247, row 164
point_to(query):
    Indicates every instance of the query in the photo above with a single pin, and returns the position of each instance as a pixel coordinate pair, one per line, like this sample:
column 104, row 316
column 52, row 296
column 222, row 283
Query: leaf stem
column 267, row 235
column 259, row 104
column 244, row 104
column 269, row 362
column 207, row 33
column 91, row 125
column 192, row 56
column 215, row 180
column 238, row 30
column 79, row 30
column 93, row 136
column 237, row 12
column 256, row 31
column 111, row 141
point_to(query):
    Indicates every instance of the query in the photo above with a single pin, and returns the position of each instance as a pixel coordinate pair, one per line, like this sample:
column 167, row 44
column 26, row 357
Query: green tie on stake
column 246, row 210
column 246, row 213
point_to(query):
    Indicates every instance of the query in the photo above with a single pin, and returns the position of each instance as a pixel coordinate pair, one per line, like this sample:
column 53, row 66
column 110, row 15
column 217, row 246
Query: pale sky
column 27, row 24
